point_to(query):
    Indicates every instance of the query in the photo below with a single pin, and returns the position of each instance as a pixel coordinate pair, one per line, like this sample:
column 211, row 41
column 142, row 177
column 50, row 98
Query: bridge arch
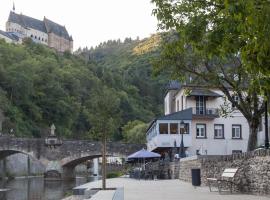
column 8, row 152
column 65, row 157
column 74, row 160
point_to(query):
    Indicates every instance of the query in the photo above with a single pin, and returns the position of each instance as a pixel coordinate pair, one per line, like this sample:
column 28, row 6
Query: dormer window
column 236, row 100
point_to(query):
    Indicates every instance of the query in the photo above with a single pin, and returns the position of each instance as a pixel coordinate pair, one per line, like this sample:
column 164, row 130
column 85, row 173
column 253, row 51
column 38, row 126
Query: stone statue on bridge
column 52, row 140
column 53, row 130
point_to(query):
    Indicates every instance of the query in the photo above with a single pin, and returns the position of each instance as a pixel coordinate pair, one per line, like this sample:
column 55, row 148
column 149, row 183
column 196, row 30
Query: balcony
column 205, row 112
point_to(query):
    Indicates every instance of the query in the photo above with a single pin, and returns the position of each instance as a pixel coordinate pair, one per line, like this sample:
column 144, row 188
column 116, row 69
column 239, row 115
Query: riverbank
column 166, row 189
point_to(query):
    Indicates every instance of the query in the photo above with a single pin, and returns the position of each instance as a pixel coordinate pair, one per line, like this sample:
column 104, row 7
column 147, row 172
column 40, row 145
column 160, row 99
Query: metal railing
column 205, row 111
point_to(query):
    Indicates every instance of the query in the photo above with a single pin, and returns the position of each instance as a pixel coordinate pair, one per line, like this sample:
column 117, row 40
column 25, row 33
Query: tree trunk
column 252, row 140
column 104, row 162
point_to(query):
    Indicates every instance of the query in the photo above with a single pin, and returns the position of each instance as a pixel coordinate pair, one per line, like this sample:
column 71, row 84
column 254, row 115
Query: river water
column 39, row 189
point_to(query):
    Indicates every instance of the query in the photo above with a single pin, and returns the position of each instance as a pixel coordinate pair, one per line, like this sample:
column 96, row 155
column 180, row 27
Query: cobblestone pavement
column 169, row 190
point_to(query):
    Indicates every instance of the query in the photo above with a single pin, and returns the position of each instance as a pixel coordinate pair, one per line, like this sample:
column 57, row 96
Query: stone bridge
column 65, row 157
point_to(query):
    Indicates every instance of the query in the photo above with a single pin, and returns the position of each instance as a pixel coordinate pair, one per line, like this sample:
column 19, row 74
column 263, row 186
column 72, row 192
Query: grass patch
column 114, row 174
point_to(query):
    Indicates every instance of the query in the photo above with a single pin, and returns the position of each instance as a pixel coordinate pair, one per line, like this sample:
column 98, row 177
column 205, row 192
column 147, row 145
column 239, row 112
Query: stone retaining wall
column 253, row 175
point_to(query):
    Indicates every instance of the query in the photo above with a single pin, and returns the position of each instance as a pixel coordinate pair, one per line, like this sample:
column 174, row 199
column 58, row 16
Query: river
column 39, row 189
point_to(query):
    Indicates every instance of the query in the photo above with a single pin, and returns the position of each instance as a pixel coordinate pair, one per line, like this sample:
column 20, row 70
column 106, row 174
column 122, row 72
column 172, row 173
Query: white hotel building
column 207, row 133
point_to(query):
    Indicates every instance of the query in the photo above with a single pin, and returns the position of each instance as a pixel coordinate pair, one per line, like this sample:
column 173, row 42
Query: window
column 31, row 36
column 186, row 128
column 182, row 102
column 236, row 131
column 201, row 130
column 236, row 151
column 35, row 37
column 174, row 128
column 236, row 99
column 163, row 128
column 177, row 105
column 261, row 125
column 200, row 105
column 165, row 106
column 219, row 131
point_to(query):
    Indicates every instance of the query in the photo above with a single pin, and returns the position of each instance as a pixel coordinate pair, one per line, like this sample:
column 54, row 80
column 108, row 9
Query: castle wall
column 36, row 35
column 59, row 43
column 13, row 27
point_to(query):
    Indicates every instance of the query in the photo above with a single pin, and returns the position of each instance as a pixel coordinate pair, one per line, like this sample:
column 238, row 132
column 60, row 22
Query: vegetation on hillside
column 39, row 87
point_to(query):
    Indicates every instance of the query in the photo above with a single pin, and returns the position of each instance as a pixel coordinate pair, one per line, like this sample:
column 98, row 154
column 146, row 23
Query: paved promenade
column 169, row 190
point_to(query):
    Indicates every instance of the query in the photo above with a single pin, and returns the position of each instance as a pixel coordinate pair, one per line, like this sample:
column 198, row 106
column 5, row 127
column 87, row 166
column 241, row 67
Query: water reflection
column 39, row 189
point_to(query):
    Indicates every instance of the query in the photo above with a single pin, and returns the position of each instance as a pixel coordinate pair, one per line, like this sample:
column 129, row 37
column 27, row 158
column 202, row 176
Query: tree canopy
column 214, row 43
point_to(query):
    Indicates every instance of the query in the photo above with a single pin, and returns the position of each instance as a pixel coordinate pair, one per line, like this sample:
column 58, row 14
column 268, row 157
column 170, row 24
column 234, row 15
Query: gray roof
column 27, row 22
column 45, row 26
column 173, row 85
column 9, row 35
column 57, row 29
column 180, row 115
column 203, row 92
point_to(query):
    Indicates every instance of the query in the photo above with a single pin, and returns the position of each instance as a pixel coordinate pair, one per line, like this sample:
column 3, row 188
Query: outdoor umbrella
column 142, row 155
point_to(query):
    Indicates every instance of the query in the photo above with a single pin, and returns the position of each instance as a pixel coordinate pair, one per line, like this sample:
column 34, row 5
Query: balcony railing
column 208, row 112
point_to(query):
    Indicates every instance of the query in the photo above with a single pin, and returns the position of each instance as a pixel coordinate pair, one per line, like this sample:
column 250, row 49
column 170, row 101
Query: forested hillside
column 39, row 87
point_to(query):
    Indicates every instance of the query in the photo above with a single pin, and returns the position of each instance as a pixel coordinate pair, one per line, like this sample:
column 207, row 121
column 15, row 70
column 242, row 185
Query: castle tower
column 13, row 8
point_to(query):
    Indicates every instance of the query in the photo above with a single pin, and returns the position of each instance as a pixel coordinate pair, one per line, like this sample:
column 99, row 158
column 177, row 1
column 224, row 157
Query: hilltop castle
column 44, row 32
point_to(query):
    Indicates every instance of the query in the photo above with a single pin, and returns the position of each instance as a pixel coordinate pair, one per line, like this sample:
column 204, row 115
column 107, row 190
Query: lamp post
column 182, row 147
column 266, row 125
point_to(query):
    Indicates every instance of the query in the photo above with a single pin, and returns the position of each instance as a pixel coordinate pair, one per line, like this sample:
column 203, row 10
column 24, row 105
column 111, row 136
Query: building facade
column 207, row 132
column 10, row 37
column 45, row 32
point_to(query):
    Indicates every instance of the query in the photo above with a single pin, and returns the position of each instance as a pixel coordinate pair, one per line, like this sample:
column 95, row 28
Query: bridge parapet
column 65, row 157
column 69, row 148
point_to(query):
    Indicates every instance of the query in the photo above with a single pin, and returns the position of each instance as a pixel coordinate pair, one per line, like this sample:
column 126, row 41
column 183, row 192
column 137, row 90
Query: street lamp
column 182, row 147
column 266, row 124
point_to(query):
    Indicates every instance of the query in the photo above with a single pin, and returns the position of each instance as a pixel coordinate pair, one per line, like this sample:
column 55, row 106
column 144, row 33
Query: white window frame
column 239, row 132
column 219, row 129
column 201, row 127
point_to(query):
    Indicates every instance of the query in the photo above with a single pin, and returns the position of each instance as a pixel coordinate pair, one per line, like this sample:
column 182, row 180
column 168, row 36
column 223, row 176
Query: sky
column 89, row 21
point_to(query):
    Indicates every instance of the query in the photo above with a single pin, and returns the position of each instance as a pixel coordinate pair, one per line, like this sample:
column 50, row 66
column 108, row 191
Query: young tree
column 222, row 43
column 104, row 120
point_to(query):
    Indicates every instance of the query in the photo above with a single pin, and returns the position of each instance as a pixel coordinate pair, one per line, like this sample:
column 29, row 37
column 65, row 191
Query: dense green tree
column 39, row 86
column 217, row 43
column 135, row 131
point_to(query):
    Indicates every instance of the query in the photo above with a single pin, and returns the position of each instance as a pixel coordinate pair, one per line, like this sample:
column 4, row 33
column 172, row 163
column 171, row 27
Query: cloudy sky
column 89, row 21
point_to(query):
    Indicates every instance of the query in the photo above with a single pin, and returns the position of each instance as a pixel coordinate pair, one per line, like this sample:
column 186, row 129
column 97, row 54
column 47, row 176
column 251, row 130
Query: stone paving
column 169, row 190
